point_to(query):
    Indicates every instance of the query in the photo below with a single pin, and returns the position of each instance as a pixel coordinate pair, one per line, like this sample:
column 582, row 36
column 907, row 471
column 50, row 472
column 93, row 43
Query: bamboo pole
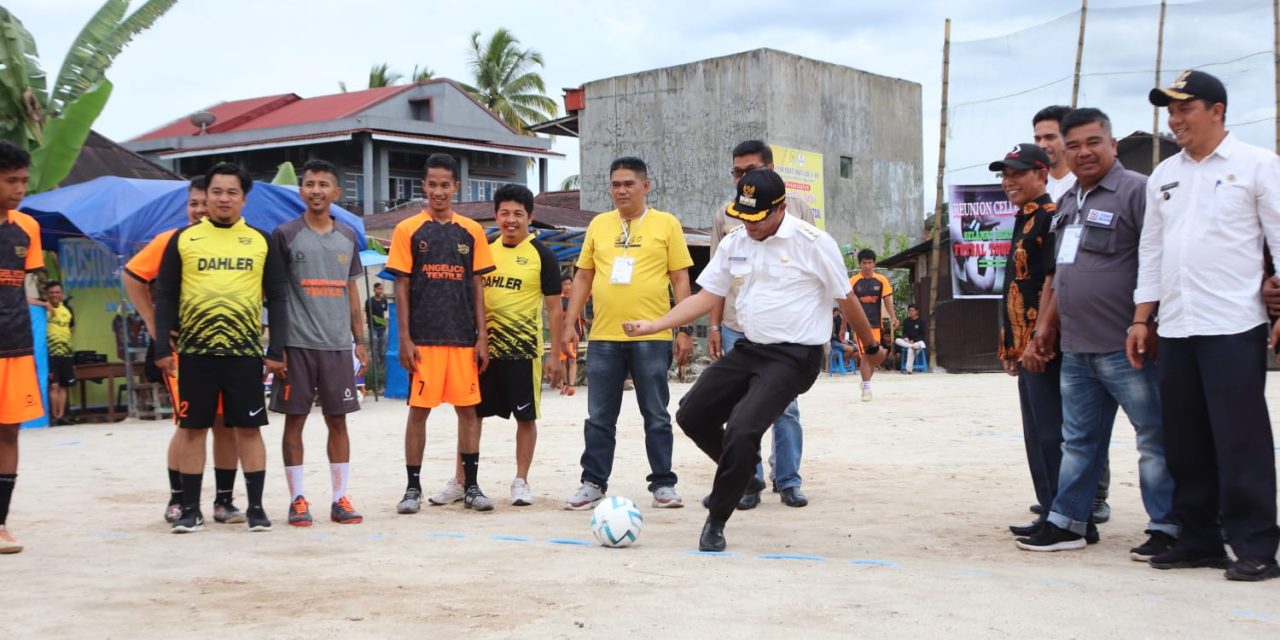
column 1155, row 111
column 1275, row 16
column 1075, row 84
column 934, row 275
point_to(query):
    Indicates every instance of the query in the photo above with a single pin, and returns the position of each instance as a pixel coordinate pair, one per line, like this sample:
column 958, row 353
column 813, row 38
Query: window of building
column 421, row 109
column 354, row 184
column 846, row 167
column 481, row 190
column 403, row 189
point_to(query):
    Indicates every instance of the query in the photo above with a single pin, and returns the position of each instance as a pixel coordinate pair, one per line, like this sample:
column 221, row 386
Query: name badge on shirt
column 1101, row 217
column 1070, row 244
column 622, row 268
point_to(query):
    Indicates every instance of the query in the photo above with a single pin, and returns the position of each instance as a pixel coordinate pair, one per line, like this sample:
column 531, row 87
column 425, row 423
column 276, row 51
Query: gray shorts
column 311, row 373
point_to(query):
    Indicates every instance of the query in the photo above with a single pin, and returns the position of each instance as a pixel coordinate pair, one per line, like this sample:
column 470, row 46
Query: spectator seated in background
column 840, row 342
column 912, row 339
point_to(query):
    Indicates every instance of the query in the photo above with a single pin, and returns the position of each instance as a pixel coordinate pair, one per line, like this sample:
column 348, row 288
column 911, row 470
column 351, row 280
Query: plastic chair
column 921, row 362
column 837, row 364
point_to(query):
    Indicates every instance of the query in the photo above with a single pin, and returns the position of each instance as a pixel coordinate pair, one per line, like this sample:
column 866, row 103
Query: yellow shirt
column 655, row 242
column 59, row 331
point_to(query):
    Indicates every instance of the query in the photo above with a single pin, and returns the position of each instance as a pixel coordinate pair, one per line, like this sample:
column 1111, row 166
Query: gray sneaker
column 476, row 499
column 667, row 498
column 588, row 496
column 451, row 493
column 411, row 502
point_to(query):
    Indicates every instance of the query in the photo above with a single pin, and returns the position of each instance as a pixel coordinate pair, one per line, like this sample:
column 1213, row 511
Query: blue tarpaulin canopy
column 123, row 214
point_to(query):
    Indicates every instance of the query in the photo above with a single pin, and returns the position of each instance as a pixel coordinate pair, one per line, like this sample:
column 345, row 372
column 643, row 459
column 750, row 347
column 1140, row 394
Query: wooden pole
column 934, row 275
column 1075, row 85
column 1155, row 111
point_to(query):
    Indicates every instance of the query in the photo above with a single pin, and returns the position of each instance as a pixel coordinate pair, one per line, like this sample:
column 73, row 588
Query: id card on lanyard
column 1072, row 233
column 624, row 265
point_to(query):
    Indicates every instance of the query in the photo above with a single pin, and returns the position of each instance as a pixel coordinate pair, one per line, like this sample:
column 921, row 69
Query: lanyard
column 626, row 229
column 1081, row 194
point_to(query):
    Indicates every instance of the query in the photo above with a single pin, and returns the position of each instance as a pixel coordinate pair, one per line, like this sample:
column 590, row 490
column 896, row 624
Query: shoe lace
column 344, row 503
column 300, row 505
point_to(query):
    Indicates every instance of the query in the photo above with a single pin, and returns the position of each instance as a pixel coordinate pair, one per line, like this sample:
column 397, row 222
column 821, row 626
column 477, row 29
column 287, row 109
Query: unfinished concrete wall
column 684, row 121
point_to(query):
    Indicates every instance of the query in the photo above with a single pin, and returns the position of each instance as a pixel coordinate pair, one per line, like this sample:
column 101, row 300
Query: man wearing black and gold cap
column 787, row 273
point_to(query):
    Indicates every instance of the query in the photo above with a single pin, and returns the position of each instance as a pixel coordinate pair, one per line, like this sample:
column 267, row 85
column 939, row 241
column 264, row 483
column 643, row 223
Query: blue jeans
column 608, row 364
column 788, row 437
column 1093, row 385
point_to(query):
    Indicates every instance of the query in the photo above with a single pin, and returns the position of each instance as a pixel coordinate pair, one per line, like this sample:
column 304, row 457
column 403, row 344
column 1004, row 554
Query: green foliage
column 22, row 110
column 376, row 244
column 506, row 83
column 570, row 183
column 102, row 39
column 285, row 176
column 65, row 135
column 381, row 75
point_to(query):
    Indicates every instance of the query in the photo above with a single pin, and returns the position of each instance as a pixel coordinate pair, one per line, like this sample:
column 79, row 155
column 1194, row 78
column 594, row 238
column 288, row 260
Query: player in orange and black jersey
column 20, row 254
column 213, row 278
column 140, row 273
column 876, row 295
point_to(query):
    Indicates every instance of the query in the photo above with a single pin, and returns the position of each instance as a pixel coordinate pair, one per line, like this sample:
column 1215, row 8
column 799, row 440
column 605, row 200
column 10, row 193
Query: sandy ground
column 905, row 537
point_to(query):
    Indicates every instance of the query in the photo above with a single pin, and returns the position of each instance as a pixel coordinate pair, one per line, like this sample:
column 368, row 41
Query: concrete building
column 379, row 138
column 684, row 120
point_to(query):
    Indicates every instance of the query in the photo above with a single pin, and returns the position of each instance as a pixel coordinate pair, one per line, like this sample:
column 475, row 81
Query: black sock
column 7, row 481
column 414, row 471
column 253, row 481
column 191, row 490
column 224, row 480
column 175, row 487
column 470, row 465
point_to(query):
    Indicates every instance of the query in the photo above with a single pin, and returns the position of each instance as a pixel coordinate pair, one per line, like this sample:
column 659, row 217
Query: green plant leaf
column 101, row 40
column 285, row 175
column 64, row 136
column 23, row 98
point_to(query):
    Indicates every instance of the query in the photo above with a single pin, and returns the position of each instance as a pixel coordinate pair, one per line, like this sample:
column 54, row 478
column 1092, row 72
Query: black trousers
column 735, row 401
column 1041, row 399
column 1218, row 442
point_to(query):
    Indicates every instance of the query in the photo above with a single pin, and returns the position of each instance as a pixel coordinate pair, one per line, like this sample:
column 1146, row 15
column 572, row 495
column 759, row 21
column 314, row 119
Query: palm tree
column 506, row 83
column 53, row 121
column 419, row 75
column 381, row 75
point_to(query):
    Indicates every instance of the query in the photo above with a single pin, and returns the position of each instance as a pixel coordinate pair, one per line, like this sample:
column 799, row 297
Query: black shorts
column 311, row 372
column 237, row 380
column 510, row 387
column 62, row 370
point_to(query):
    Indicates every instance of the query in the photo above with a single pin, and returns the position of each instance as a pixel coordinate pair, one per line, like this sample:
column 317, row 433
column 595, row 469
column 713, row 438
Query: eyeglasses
column 738, row 173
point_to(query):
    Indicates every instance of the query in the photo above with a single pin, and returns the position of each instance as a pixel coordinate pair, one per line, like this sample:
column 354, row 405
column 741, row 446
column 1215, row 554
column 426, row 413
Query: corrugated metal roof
column 228, row 115
column 324, row 108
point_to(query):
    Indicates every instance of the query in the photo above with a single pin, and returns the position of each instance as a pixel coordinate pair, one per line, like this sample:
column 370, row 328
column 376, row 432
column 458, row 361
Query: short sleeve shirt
column 1031, row 260
column 440, row 260
column 59, row 331
column 20, row 254
column 724, row 224
column 870, row 291
column 320, row 265
column 514, row 294
column 144, row 266
column 655, row 242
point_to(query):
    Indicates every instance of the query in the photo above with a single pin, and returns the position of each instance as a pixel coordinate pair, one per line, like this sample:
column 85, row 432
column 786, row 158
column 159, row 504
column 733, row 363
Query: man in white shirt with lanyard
column 1209, row 209
column 1047, row 128
column 786, row 274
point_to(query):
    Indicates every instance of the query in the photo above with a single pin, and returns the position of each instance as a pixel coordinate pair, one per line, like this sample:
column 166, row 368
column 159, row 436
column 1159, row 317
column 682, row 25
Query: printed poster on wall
column 802, row 171
column 981, row 224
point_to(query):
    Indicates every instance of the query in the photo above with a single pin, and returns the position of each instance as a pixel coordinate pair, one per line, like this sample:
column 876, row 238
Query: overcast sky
column 202, row 53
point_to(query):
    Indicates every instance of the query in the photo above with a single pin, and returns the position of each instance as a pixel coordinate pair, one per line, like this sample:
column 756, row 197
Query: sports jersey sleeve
column 587, row 256
column 888, row 288
column 168, row 290
column 35, row 252
column 275, row 288
column 400, row 258
column 357, row 267
column 482, row 257
column 677, row 250
column 550, row 274
column 145, row 265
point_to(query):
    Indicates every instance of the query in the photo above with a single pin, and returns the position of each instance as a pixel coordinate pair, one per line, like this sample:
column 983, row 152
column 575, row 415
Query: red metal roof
column 228, row 114
column 323, row 108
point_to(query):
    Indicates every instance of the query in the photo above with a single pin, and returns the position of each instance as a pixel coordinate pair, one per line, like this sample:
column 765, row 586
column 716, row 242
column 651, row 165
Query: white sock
column 866, row 384
column 339, row 473
column 294, row 477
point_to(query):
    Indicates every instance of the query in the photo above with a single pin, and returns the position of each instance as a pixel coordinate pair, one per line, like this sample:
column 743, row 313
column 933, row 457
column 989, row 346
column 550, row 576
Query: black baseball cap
column 1020, row 157
column 1190, row 85
column 759, row 191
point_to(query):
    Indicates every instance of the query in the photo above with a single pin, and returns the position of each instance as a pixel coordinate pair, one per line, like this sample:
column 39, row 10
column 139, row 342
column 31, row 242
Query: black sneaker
column 1176, row 558
column 1091, row 533
column 257, row 517
column 190, row 521
column 1253, row 570
column 1101, row 510
column 1026, row 530
column 1158, row 543
column 1051, row 538
column 1036, row 509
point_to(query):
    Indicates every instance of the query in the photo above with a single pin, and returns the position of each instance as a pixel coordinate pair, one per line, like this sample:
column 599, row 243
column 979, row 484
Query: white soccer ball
column 616, row 522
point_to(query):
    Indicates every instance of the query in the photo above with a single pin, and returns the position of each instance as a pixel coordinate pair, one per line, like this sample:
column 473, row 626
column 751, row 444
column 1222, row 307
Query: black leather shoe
column 749, row 501
column 1026, row 530
column 712, row 538
column 1036, row 509
column 793, row 497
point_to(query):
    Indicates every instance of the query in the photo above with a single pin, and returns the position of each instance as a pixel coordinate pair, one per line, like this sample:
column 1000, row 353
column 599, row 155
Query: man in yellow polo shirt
column 631, row 258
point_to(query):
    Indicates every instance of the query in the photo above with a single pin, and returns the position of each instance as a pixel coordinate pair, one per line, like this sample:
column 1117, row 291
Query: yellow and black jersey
column 61, row 322
column 514, row 293
column 210, row 288
column 20, row 254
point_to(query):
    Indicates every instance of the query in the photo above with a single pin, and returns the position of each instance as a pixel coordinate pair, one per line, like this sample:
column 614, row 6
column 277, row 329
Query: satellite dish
column 203, row 119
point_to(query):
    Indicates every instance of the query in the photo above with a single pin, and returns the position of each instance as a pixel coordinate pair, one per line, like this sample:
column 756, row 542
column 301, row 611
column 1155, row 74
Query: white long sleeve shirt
column 1201, row 251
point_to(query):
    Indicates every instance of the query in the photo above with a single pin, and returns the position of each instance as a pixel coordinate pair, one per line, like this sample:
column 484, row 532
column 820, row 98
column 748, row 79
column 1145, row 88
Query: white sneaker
column 667, row 498
column 866, row 394
column 451, row 493
column 521, row 494
column 7, row 543
column 588, row 496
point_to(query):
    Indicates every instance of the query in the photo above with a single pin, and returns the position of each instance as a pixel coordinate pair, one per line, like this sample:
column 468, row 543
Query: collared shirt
column 1030, row 261
column 723, row 225
column 786, row 283
column 1094, row 294
column 1201, row 255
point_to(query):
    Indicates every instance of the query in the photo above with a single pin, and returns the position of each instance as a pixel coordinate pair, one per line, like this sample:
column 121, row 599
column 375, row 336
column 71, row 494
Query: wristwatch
column 687, row 330
column 871, row 349
column 713, row 327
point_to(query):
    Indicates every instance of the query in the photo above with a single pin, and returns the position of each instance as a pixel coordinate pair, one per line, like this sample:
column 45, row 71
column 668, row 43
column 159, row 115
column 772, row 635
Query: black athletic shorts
column 510, row 387
column 62, row 370
column 236, row 379
column 310, row 372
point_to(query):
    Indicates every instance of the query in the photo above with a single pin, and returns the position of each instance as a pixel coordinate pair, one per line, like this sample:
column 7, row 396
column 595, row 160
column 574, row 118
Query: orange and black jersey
column 20, row 254
column 870, row 291
column 212, row 280
column 440, row 261
column 144, row 266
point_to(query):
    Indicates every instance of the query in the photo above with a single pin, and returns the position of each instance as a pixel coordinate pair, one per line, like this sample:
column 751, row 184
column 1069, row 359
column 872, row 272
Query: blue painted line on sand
column 570, row 541
column 321, row 536
column 791, row 556
column 511, row 538
column 1251, row 615
column 975, row 573
column 443, row 534
column 69, row 443
column 378, row 536
column 714, row 554
column 875, row 563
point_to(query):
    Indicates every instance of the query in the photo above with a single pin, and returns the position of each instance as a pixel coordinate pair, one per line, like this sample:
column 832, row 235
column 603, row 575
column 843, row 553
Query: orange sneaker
column 7, row 543
column 299, row 513
column 343, row 513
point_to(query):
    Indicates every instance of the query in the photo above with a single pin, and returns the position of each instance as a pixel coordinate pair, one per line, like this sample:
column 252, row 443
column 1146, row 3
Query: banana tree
column 53, row 121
